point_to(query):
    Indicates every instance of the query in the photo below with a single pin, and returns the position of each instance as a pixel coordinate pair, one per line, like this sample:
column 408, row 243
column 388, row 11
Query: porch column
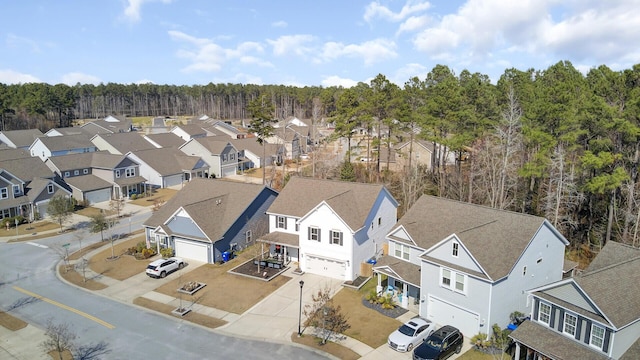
column 516, row 356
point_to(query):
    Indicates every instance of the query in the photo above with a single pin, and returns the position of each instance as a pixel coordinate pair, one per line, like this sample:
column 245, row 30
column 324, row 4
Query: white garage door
column 97, row 196
column 326, row 267
column 191, row 250
column 444, row 313
column 228, row 171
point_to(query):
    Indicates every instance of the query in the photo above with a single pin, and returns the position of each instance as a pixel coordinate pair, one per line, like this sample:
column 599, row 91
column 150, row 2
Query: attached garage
column 172, row 180
column 228, row 171
column 192, row 250
column 327, row 267
column 444, row 313
column 98, row 196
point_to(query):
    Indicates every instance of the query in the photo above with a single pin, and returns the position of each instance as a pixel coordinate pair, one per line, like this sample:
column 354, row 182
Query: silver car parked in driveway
column 410, row 334
column 161, row 267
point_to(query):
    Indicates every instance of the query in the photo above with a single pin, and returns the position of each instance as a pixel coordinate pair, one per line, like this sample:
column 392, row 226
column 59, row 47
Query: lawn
column 89, row 211
column 11, row 322
column 125, row 266
column 29, row 228
column 192, row 316
column 225, row 291
column 367, row 325
column 158, row 194
column 334, row 349
column 478, row 355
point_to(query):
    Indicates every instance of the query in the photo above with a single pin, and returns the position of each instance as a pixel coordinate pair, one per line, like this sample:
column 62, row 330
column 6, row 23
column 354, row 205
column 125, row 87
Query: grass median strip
column 192, row 316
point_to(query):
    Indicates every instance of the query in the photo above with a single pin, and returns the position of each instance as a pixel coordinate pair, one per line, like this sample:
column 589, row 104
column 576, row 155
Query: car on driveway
column 440, row 344
column 161, row 267
column 410, row 334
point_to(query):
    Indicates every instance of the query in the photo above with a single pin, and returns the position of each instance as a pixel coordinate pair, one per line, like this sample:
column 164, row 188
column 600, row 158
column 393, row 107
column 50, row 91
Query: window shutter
column 319, row 233
column 340, row 239
column 309, row 233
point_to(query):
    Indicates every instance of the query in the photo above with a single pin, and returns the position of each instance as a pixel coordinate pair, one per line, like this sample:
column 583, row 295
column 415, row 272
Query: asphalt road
column 30, row 290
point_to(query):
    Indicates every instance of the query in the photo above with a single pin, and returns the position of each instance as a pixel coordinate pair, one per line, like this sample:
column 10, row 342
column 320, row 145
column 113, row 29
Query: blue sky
column 304, row 42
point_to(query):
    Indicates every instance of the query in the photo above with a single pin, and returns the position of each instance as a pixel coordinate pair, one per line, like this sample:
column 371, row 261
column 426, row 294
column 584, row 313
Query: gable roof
column 495, row 238
column 351, row 201
column 125, row 142
column 254, row 146
column 213, row 204
column 167, row 161
column 213, row 144
column 22, row 138
column 11, row 153
column 27, row 168
column 165, row 140
column 38, row 185
column 191, row 129
column 64, row 131
column 67, row 142
column 87, row 182
column 110, row 124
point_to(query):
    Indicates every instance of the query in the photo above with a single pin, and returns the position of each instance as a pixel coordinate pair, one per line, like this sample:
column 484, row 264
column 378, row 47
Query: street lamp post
column 300, row 312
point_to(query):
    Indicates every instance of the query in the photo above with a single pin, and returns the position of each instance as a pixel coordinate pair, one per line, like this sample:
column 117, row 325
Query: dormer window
column 50, row 189
column 454, row 251
column 67, row 174
column 85, row 171
column 76, row 172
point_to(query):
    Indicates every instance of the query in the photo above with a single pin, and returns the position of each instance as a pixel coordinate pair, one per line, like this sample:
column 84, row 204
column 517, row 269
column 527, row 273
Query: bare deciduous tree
column 324, row 315
column 59, row 338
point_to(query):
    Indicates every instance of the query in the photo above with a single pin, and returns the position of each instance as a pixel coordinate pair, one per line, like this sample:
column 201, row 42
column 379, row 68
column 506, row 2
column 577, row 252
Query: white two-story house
column 330, row 227
column 468, row 265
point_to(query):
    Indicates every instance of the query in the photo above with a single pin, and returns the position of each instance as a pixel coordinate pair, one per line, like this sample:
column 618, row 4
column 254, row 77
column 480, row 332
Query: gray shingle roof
column 166, row 139
column 87, row 182
column 351, row 201
column 200, row 199
column 167, row 161
column 97, row 159
column 27, row 168
column 23, row 138
column 68, row 142
column 399, row 269
column 212, row 143
column 192, row 129
column 495, row 238
column 11, row 153
column 127, row 141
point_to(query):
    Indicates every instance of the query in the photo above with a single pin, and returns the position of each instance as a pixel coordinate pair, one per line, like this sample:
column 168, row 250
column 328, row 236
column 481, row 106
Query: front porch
column 399, row 279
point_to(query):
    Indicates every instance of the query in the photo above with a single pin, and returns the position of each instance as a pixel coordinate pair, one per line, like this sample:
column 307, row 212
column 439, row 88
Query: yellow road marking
column 63, row 306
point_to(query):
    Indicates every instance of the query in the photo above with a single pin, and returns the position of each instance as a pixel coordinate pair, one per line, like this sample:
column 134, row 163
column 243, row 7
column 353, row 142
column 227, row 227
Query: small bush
column 141, row 246
column 133, row 196
column 166, row 252
column 147, row 253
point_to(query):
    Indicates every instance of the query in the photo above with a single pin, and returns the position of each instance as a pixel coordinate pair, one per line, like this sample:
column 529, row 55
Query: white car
column 410, row 334
column 161, row 267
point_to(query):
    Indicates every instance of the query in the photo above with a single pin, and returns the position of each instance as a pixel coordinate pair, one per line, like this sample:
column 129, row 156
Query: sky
column 306, row 43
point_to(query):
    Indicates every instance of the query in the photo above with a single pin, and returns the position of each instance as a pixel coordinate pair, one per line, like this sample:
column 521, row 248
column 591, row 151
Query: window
column 85, row 171
column 232, row 156
column 597, row 336
column 4, row 193
column 50, row 189
column 297, row 227
column 67, row 174
column 544, row 313
column 314, row 233
column 405, row 252
column 539, row 261
column 117, row 173
column 460, row 282
column 224, row 157
column 570, row 322
column 130, row 172
column 379, row 221
column 281, row 222
column 455, row 250
column 248, row 236
column 76, row 172
column 335, row 237
column 446, row 278
column 402, row 251
column 16, row 189
column 5, row 213
column 524, row 270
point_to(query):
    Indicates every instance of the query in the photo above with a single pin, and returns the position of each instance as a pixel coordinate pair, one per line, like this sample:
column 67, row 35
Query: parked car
column 410, row 334
column 162, row 267
column 440, row 345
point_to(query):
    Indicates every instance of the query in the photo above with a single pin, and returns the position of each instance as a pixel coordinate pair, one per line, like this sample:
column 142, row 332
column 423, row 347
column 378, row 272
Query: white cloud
column 408, row 71
column 375, row 10
column 14, row 77
column 291, row 44
column 206, row 56
column 338, row 81
column 132, row 11
column 78, row 77
column 279, row 24
column 370, row 51
column 413, row 23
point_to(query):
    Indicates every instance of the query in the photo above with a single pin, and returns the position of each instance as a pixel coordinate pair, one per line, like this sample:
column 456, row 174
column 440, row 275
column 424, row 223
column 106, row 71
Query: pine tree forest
column 554, row 143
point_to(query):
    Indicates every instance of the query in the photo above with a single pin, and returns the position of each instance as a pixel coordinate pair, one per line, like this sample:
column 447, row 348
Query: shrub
column 141, row 246
column 372, row 296
column 133, row 196
column 480, row 340
column 166, row 252
column 147, row 253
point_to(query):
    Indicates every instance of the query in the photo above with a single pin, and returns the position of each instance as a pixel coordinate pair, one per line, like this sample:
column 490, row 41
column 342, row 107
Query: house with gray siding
column 210, row 216
column 467, row 265
column 220, row 155
column 45, row 147
column 594, row 315
column 166, row 167
column 121, row 143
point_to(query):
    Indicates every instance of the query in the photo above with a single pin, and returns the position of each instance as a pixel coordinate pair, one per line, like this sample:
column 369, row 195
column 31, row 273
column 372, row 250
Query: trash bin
column 225, row 256
column 372, row 261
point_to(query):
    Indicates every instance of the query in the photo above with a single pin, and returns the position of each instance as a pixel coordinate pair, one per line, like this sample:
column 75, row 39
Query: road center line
column 66, row 307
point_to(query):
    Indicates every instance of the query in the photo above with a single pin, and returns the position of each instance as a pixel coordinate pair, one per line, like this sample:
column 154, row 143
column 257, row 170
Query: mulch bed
column 250, row 269
column 392, row 313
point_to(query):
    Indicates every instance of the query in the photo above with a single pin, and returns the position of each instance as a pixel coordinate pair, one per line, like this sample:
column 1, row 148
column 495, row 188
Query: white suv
column 161, row 267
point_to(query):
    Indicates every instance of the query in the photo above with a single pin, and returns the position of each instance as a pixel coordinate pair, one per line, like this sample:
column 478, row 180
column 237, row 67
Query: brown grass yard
column 225, row 291
column 89, row 211
column 76, row 278
column 367, row 325
column 478, row 355
column 158, row 194
column 27, row 228
column 334, row 349
column 125, row 266
column 193, row 317
column 11, row 322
